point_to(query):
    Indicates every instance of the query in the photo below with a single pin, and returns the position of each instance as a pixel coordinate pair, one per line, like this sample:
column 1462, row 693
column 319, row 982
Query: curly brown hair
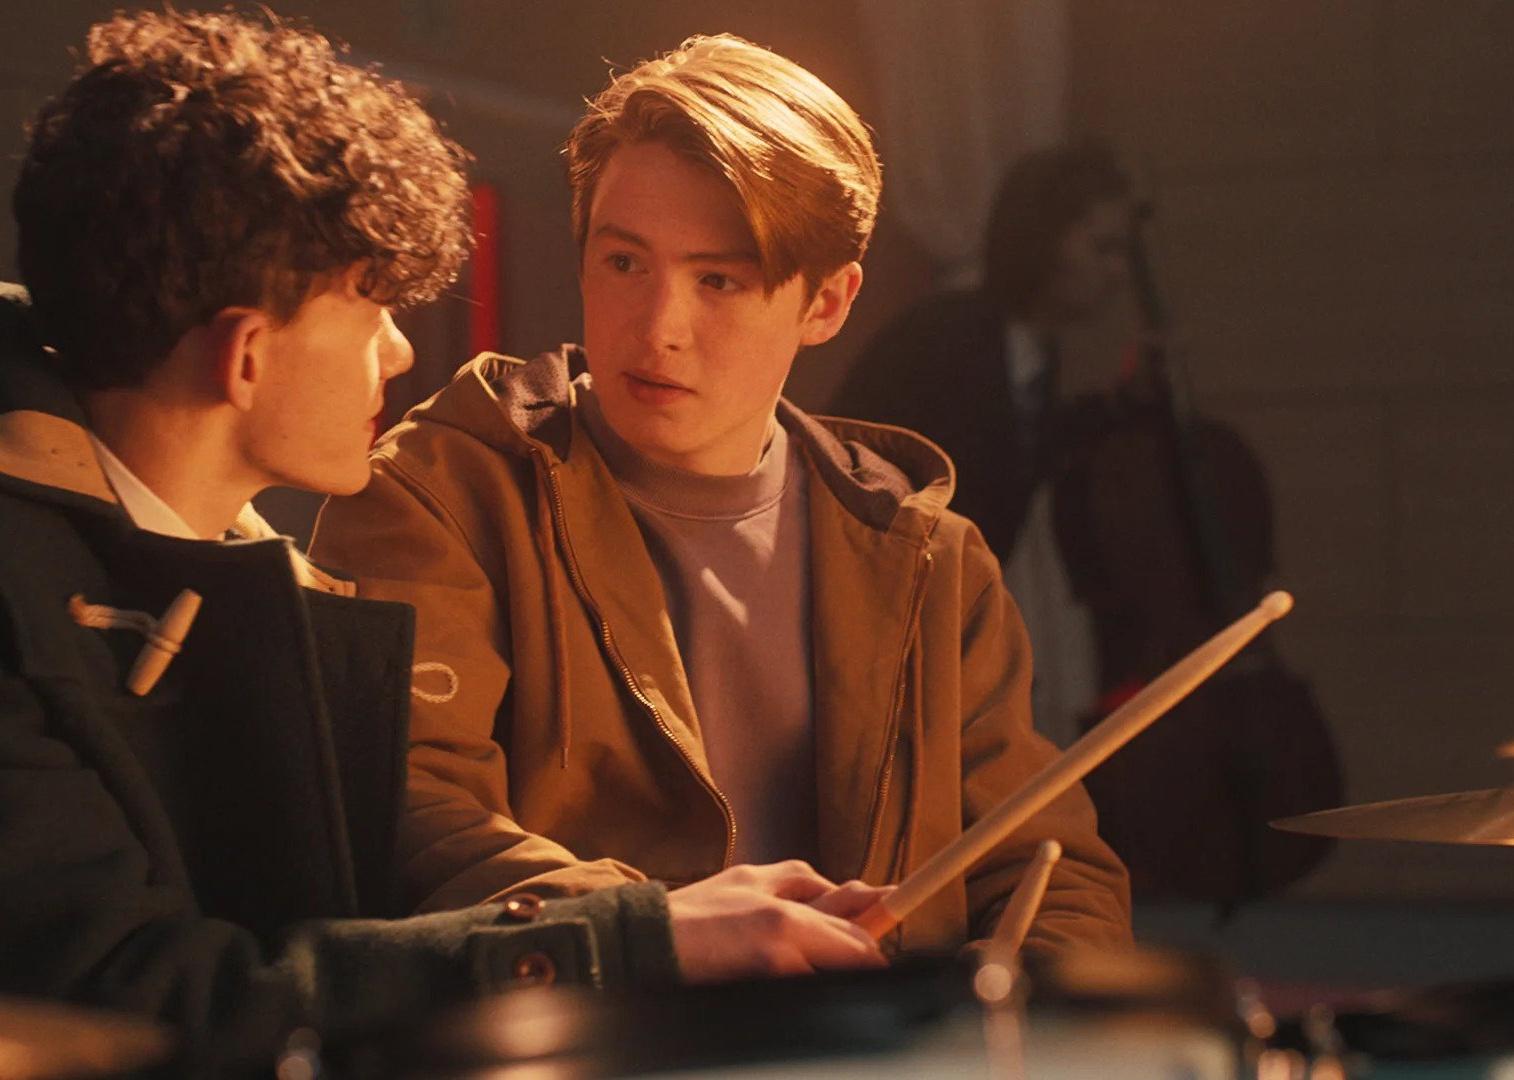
column 799, row 160
column 204, row 161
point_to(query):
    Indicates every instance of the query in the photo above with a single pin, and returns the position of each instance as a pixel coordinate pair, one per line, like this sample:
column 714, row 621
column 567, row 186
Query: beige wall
column 1336, row 230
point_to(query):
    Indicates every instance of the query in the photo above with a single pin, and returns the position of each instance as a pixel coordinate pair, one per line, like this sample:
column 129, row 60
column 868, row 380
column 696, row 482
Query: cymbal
column 1464, row 817
column 41, row 1039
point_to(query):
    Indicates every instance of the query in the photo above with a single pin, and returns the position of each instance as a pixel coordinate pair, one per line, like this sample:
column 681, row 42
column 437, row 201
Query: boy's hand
column 781, row 919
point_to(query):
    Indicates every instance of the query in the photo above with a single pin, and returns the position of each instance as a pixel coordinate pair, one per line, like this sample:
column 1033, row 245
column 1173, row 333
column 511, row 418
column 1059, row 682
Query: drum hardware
column 998, row 984
column 1467, row 1020
column 1327, row 1050
column 1458, row 1022
column 301, row 1057
column 1141, row 1013
column 1261, row 1059
column 1001, row 989
column 1466, row 817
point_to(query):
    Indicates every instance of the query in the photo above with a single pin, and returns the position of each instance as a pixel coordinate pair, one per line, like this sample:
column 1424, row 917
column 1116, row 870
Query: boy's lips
column 654, row 378
column 653, row 389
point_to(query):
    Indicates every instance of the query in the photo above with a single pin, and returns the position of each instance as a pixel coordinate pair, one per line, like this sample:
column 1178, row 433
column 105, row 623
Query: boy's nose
column 668, row 317
column 396, row 354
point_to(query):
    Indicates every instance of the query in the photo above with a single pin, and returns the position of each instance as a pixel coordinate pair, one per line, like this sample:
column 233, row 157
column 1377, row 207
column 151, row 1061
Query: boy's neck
column 179, row 450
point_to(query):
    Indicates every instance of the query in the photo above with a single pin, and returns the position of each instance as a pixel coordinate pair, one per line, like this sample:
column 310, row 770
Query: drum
column 1468, row 1023
column 1145, row 1013
column 570, row 1032
column 1144, row 1016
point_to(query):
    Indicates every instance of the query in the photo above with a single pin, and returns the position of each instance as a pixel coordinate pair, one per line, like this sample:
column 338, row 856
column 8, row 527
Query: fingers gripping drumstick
column 1081, row 758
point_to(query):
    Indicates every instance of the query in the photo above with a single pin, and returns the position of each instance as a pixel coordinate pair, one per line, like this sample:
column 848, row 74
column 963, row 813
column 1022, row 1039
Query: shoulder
column 496, row 408
column 46, row 557
column 958, row 542
column 453, row 464
column 880, row 473
column 42, row 541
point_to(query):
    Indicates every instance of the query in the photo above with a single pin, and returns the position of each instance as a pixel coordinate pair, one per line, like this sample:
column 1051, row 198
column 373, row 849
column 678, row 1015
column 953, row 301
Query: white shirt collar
column 144, row 507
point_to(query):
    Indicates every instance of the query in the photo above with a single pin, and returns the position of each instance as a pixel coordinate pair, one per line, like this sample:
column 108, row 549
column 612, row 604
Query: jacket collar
column 45, row 448
column 44, row 442
column 890, row 479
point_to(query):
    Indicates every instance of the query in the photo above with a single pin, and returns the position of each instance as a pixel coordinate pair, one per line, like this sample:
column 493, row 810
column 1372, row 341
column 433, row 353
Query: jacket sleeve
column 1088, row 898
column 89, row 914
column 459, row 841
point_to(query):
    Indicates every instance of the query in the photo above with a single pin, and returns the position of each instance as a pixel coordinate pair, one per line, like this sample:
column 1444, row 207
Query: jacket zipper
column 886, row 771
column 626, row 675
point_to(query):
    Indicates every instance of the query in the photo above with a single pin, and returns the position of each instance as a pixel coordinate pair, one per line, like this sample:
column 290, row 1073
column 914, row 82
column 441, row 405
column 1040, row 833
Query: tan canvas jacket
column 554, row 741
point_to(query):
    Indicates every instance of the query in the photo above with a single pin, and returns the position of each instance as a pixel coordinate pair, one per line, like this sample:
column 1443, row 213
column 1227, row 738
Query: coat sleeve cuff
column 610, row 938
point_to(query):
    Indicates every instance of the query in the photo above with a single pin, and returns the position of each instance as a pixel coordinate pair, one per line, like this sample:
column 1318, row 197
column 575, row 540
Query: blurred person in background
column 1130, row 528
column 977, row 372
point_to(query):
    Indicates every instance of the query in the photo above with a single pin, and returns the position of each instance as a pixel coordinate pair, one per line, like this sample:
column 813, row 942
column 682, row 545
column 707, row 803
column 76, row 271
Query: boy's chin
column 347, row 482
column 349, row 487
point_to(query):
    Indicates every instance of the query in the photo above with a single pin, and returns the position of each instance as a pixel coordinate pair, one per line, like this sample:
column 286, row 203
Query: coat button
column 535, row 969
column 523, row 907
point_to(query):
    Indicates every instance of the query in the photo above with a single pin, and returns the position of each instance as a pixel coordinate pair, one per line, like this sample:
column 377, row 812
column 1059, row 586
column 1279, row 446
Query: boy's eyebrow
column 617, row 232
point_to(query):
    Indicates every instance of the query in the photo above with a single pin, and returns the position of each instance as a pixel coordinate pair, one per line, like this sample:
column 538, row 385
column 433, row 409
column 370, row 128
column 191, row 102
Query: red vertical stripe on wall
column 484, row 281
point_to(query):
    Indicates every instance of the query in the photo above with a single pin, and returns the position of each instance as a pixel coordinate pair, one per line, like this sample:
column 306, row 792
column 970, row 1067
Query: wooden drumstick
column 1081, row 758
column 1025, row 901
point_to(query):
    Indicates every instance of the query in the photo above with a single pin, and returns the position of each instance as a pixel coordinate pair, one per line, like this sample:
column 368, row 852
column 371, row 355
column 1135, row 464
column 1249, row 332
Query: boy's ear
column 238, row 341
column 832, row 303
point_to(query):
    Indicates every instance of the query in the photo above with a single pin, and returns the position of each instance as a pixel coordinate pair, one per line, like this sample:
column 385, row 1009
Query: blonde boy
column 667, row 621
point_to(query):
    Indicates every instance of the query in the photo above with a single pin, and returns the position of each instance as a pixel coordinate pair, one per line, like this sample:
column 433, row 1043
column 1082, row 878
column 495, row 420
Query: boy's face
column 687, row 353
column 315, row 418
column 1093, row 259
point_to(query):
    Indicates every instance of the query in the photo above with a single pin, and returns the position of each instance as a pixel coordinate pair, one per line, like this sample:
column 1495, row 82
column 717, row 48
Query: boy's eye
column 622, row 262
column 719, row 282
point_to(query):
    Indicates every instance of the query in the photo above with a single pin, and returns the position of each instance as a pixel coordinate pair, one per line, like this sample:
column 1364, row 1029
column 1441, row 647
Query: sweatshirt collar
column 889, row 478
column 679, row 492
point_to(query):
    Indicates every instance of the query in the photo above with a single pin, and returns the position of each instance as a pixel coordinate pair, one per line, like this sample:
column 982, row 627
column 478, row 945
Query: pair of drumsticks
column 1081, row 758
column 958, row 857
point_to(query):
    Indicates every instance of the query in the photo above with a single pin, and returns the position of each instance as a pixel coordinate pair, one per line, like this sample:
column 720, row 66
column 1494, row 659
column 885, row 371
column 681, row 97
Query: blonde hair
column 799, row 159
